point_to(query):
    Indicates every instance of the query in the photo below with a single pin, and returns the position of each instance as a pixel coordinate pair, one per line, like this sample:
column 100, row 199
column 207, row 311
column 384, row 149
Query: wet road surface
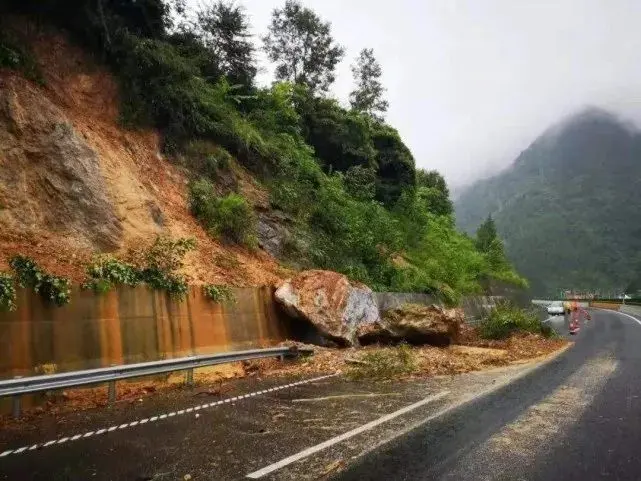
column 579, row 418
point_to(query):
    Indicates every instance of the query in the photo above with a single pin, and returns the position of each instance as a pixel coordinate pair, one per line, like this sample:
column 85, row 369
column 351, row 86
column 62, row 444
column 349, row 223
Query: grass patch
column 388, row 363
column 506, row 319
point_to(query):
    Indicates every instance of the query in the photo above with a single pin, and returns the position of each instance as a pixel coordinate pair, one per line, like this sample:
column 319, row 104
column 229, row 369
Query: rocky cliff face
column 50, row 178
column 74, row 182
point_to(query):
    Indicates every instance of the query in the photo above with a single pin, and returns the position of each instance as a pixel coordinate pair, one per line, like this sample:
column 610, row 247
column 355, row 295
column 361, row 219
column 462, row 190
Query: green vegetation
column 367, row 98
column 302, row 46
column 230, row 217
column 218, row 294
column 388, row 363
column 51, row 288
column 567, row 206
column 358, row 202
column 506, row 319
column 7, row 292
column 157, row 266
column 14, row 57
column 106, row 272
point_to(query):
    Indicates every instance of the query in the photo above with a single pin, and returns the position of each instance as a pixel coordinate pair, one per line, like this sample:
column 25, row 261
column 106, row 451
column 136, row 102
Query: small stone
column 187, row 477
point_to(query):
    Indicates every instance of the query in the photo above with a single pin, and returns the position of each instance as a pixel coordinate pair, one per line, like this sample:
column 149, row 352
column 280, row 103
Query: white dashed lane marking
column 156, row 418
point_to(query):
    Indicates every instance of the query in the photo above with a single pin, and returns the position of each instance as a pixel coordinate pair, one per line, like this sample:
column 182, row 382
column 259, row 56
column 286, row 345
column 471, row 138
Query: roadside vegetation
column 506, row 319
column 219, row 294
column 157, row 266
column 52, row 288
column 360, row 206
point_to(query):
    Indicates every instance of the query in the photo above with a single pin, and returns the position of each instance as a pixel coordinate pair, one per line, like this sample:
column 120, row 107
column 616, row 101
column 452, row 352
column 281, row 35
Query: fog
column 472, row 82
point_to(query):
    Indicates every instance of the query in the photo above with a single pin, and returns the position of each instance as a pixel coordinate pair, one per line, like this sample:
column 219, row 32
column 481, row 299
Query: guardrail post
column 281, row 357
column 16, row 405
column 189, row 377
column 112, row 392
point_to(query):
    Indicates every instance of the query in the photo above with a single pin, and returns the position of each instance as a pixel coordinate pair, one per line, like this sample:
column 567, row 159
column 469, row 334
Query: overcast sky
column 472, row 82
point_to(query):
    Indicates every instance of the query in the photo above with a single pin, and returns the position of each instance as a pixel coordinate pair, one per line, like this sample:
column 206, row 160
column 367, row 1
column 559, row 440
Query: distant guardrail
column 630, row 302
column 33, row 384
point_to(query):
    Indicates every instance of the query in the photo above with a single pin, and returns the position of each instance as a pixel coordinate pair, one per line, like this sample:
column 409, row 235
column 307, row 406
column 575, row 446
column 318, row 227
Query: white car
column 556, row 308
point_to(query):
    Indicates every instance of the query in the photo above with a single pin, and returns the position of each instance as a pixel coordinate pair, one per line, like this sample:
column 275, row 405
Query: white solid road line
column 349, row 434
column 624, row 314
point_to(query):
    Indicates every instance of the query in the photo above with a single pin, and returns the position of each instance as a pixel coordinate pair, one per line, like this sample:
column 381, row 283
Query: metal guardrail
column 33, row 384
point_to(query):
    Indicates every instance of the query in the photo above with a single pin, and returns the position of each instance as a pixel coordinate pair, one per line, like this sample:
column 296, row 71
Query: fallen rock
column 415, row 324
column 334, row 305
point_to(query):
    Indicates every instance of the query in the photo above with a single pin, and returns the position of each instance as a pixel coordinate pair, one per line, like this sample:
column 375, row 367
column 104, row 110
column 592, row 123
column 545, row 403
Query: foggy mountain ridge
column 564, row 205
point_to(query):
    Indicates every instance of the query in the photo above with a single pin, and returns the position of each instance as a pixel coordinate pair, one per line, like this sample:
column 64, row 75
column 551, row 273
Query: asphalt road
column 578, row 418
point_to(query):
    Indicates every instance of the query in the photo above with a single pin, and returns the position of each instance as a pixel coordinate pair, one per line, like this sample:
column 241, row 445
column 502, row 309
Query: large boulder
column 334, row 305
column 414, row 324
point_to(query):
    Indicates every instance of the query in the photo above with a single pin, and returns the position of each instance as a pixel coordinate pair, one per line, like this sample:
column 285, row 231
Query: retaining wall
column 131, row 325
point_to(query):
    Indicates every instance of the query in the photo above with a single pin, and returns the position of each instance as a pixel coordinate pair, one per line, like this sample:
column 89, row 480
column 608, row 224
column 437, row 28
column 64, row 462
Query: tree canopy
column 223, row 28
column 367, row 96
column 302, row 46
column 486, row 234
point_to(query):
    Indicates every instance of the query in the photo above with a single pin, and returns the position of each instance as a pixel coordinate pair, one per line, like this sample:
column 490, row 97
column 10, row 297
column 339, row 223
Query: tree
column 396, row 169
column 367, row 97
column 341, row 138
column 433, row 191
column 302, row 46
column 486, row 234
column 224, row 30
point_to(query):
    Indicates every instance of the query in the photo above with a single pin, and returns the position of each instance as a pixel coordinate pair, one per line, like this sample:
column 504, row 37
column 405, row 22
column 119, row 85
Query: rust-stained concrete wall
column 131, row 325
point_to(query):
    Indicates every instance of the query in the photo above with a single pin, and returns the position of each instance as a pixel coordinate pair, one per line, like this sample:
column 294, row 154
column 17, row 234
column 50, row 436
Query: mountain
column 568, row 207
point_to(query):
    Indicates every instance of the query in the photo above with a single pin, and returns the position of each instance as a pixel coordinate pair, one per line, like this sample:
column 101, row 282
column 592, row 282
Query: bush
column 388, row 363
column 157, row 265
column 51, row 288
column 506, row 319
column 166, row 254
column 207, row 159
column 360, row 182
column 106, row 272
column 162, row 260
column 230, row 217
column 218, row 294
column 236, row 221
column 7, row 292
